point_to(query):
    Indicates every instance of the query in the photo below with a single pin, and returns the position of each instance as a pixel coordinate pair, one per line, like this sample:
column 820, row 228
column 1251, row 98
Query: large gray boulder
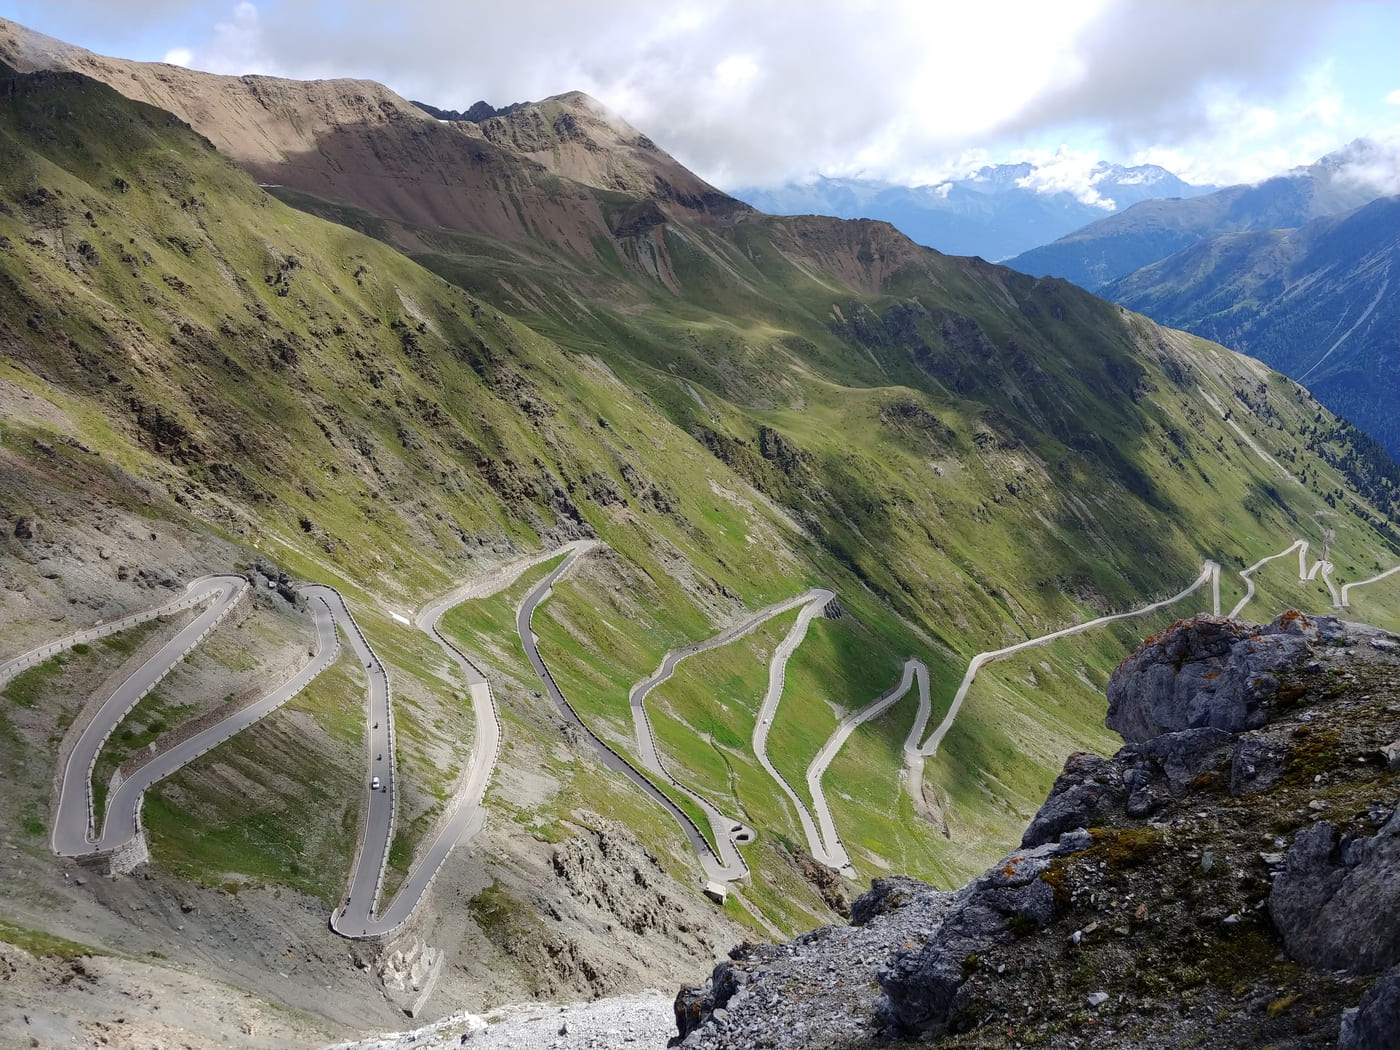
column 1375, row 1023
column 1260, row 760
column 887, row 894
column 1086, row 793
column 1326, row 900
column 1183, row 756
column 1207, row 672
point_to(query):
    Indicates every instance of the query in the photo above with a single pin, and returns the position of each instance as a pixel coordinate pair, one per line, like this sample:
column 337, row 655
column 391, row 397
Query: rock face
column 921, row 988
column 1327, row 899
column 1375, row 1023
column 408, row 974
column 611, row 871
column 1088, row 787
column 1204, row 673
column 1255, row 773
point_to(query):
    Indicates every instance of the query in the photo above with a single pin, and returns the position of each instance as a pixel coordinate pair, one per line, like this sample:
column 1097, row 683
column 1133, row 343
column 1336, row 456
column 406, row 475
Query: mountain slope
column 738, row 407
column 1319, row 303
column 1117, row 245
column 356, row 141
column 258, row 386
column 996, row 212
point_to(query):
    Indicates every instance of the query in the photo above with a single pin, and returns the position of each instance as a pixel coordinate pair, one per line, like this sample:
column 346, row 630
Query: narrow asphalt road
column 467, row 815
column 356, row 917
column 196, row 593
column 73, row 820
column 913, row 670
column 712, row 863
column 828, row 851
column 1321, row 567
column 930, row 746
column 124, row 805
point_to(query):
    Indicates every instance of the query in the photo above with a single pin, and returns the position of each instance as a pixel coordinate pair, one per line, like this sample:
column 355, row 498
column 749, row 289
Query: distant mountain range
column 1116, row 245
column 995, row 212
column 1320, row 303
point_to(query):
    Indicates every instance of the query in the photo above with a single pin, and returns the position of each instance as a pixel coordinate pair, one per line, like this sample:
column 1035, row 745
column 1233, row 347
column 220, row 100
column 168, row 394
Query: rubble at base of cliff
column 1231, row 877
column 814, row 991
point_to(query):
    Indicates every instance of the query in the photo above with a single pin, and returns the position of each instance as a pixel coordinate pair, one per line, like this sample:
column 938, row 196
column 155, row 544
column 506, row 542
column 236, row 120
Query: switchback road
column 74, row 820
column 728, row 832
column 914, row 756
column 827, row 850
column 714, row 866
column 913, row 670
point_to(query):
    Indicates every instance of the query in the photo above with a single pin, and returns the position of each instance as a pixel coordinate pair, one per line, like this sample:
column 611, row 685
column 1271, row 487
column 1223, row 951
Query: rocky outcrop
column 1088, row 788
column 826, row 881
column 886, row 896
column 1326, row 900
column 1259, row 760
column 1202, row 673
column 813, row 992
column 408, row 974
column 607, row 869
column 1375, row 1023
column 921, row 988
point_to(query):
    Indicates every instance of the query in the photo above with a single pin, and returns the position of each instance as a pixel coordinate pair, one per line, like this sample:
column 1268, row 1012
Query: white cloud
column 1328, row 110
column 1377, row 166
column 238, row 46
column 753, row 91
column 179, row 56
column 736, row 71
column 1066, row 171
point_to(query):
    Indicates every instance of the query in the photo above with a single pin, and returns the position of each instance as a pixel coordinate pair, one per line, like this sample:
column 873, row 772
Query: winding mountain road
column 914, row 670
column 729, row 833
column 716, row 869
column 1301, row 546
column 1345, row 596
column 74, row 820
column 828, row 849
column 466, row 815
column 75, row 826
column 914, row 756
column 197, row 592
column 930, row 746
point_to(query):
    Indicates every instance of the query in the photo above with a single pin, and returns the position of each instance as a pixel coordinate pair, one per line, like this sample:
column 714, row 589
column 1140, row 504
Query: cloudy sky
column 753, row 92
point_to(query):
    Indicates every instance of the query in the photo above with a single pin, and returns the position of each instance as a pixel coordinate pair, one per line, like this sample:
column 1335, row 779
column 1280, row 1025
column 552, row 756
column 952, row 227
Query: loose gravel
column 645, row 1020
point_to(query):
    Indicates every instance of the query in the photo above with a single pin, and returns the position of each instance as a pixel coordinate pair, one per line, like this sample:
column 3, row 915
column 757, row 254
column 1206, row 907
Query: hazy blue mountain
column 1320, row 303
column 1118, row 244
column 994, row 212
